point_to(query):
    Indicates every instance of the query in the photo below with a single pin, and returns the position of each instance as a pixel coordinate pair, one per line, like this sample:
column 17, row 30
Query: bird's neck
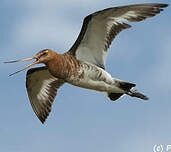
column 63, row 65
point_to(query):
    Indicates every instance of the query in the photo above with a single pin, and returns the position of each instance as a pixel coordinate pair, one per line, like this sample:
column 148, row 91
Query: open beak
column 27, row 59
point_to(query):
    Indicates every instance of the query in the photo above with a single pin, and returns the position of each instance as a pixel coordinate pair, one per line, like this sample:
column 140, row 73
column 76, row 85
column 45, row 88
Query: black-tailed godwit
column 84, row 64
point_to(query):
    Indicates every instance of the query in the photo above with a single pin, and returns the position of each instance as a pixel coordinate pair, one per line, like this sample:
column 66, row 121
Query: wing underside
column 42, row 89
column 100, row 28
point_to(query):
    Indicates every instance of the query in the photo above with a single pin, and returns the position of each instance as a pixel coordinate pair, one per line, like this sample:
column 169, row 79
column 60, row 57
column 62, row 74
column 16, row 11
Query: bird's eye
column 44, row 53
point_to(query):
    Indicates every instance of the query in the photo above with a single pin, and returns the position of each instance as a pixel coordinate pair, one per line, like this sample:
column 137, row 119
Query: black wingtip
column 164, row 5
column 42, row 121
column 160, row 5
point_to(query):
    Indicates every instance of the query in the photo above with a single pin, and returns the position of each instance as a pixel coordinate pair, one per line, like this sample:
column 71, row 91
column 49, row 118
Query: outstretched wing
column 42, row 89
column 100, row 28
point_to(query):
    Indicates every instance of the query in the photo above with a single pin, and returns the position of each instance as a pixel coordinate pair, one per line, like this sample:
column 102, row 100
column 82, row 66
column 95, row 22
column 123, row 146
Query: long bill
column 22, row 60
column 36, row 62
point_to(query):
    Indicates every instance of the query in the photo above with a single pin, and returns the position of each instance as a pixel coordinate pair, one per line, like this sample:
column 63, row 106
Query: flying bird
column 84, row 64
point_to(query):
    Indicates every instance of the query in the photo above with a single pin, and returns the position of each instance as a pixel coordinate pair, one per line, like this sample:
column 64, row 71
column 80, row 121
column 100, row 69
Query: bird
column 83, row 65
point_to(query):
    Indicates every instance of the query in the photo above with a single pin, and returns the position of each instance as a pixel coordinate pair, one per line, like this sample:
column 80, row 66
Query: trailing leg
column 134, row 93
column 126, row 87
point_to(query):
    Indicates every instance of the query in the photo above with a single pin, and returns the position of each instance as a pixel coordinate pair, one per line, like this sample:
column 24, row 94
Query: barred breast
column 79, row 73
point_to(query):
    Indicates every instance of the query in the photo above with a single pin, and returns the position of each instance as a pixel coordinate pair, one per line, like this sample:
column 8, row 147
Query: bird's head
column 43, row 56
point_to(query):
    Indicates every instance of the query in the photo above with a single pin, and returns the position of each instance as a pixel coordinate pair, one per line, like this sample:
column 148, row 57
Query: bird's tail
column 126, row 86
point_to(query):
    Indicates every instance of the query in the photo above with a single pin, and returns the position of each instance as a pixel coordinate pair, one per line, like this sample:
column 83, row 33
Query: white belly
column 95, row 78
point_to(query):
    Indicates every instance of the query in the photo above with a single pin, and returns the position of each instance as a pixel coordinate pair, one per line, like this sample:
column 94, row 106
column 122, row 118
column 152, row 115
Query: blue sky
column 85, row 120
